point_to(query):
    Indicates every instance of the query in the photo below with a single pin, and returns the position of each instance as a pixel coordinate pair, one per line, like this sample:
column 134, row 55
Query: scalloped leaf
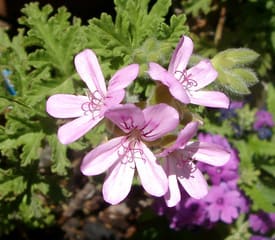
column 60, row 162
column 11, row 185
column 31, row 146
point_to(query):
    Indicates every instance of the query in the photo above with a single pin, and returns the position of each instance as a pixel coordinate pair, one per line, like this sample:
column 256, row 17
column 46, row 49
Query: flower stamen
column 96, row 100
column 186, row 80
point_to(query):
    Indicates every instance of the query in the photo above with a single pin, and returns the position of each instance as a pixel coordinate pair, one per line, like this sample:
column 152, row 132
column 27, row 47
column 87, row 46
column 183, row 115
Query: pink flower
column 186, row 84
column 121, row 155
column 89, row 110
column 179, row 164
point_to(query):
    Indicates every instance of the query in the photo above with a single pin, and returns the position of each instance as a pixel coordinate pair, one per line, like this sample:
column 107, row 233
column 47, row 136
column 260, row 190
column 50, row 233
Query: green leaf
column 31, row 147
column 247, row 75
column 197, row 6
column 236, row 57
column 262, row 196
column 231, row 81
column 233, row 75
column 60, row 162
column 34, row 211
column 11, row 185
column 248, row 173
column 271, row 99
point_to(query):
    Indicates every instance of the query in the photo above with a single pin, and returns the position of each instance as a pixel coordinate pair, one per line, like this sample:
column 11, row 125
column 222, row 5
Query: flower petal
column 192, row 180
column 75, row 129
column 209, row 99
column 203, row 74
column 101, row 158
column 114, row 98
column 157, row 72
column 126, row 117
column 123, row 77
column 210, row 153
column 181, row 55
column 152, row 175
column 89, row 70
column 228, row 214
column 157, row 124
column 172, row 196
column 214, row 212
column 118, row 182
column 184, row 136
column 66, row 105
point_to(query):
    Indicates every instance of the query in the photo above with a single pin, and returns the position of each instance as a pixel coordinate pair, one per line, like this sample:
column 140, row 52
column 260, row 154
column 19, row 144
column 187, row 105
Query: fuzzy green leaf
column 247, row 75
column 231, row 81
column 236, row 57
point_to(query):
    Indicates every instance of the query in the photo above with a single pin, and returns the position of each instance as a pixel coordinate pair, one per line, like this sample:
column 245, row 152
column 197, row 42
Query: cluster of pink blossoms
column 159, row 173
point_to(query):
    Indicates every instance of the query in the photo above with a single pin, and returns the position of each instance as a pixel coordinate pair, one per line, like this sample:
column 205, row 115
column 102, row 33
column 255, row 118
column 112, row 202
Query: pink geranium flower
column 186, row 84
column 121, row 155
column 89, row 110
column 180, row 167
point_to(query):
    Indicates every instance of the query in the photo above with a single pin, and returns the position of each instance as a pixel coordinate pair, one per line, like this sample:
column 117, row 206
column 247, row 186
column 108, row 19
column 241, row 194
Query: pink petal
column 152, row 175
column 203, row 74
column 209, row 153
column 123, row 77
column 66, row 105
column 157, row 72
column 88, row 68
column 184, row 136
column 126, row 117
column 181, row 55
column 114, row 98
column 192, row 180
column 75, row 129
column 102, row 157
column 209, row 99
column 172, row 196
column 118, row 182
column 214, row 213
column 159, row 120
column 228, row 214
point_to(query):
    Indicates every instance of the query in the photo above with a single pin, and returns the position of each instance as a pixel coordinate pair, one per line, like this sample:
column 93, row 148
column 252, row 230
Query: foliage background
column 38, row 175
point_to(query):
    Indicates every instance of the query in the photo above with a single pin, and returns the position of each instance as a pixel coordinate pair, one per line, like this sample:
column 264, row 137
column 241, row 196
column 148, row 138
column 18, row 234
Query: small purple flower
column 231, row 111
column 224, row 173
column 223, row 204
column 262, row 222
column 263, row 118
column 188, row 212
column 258, row 237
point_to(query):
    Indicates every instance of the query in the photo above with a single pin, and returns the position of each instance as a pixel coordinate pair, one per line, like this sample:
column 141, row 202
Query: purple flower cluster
column 224, row 201
column 263, row 124
column 261, row 222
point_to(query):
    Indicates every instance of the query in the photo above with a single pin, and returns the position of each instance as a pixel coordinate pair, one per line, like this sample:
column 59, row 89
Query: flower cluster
column 162, row 171
column 261, row 222
column 224, row 201
column 263, row 124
